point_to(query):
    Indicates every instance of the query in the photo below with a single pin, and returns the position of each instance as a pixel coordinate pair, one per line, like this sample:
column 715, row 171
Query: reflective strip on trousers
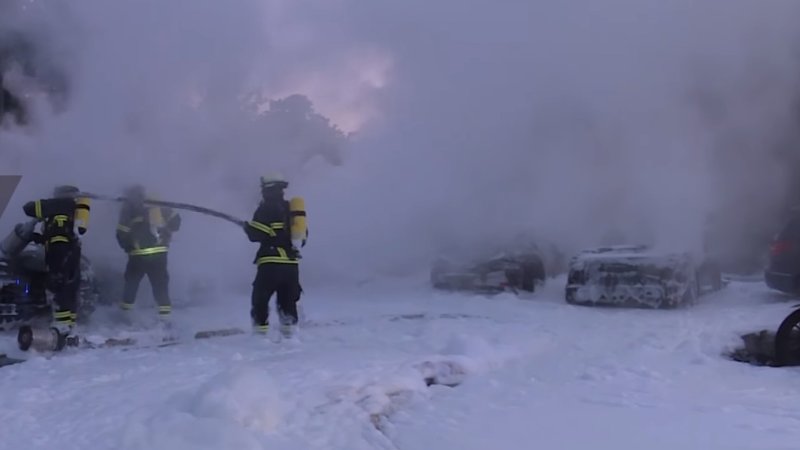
column 66, row 317
column 275, row 260
column 148, row 251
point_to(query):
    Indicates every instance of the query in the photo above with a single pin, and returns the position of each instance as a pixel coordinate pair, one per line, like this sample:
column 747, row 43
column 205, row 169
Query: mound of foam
column 246, row 396
column 239, row 408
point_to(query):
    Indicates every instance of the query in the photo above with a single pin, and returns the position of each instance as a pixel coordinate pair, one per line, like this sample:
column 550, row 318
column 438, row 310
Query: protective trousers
column 64, row 280
column 155, row 268
column 280, row 279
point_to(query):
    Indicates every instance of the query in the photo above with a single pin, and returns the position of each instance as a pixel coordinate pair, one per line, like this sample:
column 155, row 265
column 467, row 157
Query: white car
column 637, row 276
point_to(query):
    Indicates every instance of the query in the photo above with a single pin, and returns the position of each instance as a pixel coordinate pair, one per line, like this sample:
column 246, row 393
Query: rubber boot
column 260, row 330
column 167, row 328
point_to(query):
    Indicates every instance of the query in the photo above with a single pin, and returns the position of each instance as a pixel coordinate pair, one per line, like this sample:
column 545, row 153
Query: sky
column 474, row 122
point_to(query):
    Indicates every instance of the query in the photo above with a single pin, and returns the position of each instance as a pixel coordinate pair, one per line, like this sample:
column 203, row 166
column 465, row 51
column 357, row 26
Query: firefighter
column 277, row 258
column 145, row 233
column 60, row 217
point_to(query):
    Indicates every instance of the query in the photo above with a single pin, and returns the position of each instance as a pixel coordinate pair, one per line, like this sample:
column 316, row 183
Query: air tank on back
column 299, row 226
column 17, row 239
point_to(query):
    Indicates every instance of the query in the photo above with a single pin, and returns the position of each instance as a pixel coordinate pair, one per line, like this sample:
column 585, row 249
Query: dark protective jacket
column 271, row 227
column 58, row 216
column 145, row 230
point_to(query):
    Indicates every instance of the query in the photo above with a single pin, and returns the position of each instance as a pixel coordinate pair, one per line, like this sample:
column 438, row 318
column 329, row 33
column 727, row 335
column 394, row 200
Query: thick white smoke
column 475, row 121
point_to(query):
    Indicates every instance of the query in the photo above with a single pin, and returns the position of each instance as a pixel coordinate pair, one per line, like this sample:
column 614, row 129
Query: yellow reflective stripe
column 164, row 309
column 123, row 228
column 62, row 315
column 261, row 227
column 275, row 259
column 126, row 306
column 137, row 219
column 282, row 258
column 276, row 225
column 59, row 239
column 148, row 251
column 37, row 206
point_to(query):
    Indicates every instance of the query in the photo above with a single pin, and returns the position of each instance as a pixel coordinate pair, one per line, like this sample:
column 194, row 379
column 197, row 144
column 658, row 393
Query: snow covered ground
column 530, row 373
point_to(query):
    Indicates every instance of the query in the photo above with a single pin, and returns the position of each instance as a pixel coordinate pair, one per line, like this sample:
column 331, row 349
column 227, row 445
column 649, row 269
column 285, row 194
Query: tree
column 292, row 123
column 10, row 105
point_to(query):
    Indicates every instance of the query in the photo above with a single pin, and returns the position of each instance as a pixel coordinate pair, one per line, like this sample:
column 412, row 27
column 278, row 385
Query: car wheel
column 787, row 340
column 569, row 296
column 714, row 276
column 533, row 273
column 690, row 295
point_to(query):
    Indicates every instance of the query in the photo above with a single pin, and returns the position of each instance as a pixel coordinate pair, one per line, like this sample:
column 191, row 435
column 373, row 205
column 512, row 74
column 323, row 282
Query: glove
column 296, row 253
column 165, row 234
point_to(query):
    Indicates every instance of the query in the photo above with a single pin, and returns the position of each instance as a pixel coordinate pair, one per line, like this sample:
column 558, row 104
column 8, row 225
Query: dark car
column 505, row 271
column 638, row 276
column 783, row 269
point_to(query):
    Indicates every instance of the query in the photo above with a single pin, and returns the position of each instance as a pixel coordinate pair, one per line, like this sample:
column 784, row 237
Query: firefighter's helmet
column 65, row 191
column 273, row 181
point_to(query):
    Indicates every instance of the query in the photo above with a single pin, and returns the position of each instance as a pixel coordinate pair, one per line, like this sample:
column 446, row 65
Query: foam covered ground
column 510, row 373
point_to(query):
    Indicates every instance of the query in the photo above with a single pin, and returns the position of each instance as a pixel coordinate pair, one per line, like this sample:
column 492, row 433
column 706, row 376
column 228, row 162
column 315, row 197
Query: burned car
column 638, row 276
column 505, row 271
column 24, row 296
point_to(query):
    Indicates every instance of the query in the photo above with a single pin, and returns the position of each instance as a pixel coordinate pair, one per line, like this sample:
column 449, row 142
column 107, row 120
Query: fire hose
column 50, row 340
column 174, row 205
